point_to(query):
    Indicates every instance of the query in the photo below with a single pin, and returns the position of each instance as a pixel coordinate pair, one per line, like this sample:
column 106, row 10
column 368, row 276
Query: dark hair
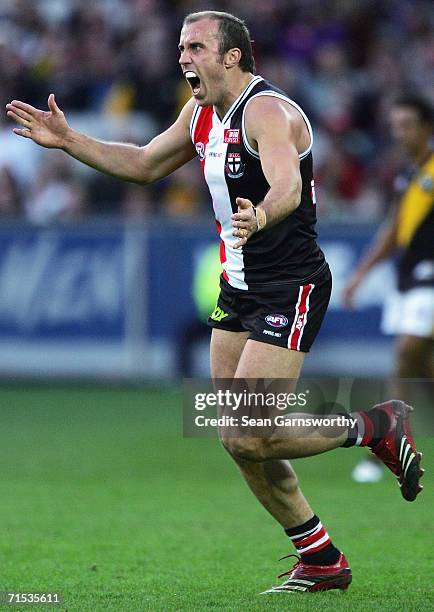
column 233, row 33
column 422, row 107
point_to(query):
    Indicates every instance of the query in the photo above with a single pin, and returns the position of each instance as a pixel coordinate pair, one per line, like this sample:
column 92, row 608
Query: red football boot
column 304, row 578
column 397, row 451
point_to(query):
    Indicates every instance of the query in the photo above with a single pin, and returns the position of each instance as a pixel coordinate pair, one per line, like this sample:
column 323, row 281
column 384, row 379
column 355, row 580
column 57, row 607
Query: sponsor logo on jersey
column 200, row 150
column 232, row 136
column 234, row 166
column 276, row 320
column 218, row 314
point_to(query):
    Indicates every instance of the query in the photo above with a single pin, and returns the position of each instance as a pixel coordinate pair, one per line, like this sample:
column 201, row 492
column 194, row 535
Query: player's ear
column 232, row 58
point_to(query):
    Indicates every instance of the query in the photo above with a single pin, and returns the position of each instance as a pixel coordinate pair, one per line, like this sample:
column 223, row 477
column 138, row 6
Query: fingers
column 19, row 116
column 242, row 216
column 23, row 106
column 241, row 233
column 243, row 203
column 245, row 210
column 241, row 242
column 52, row 105
column 242, row 224
column 24, row 133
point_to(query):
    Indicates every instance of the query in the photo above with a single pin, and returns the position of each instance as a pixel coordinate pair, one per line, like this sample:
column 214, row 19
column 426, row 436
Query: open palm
column 46, row 128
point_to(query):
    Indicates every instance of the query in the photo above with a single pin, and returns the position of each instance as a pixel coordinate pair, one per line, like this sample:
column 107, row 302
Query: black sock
column 313, row 543
column 369, row 428
column 380, row 423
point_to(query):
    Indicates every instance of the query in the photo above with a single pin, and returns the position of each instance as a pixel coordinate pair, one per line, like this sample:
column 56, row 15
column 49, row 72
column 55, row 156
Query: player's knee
column 251, row 449
column 290, row 485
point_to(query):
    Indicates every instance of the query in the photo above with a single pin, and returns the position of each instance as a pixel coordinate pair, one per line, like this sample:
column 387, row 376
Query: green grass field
column 104, row 501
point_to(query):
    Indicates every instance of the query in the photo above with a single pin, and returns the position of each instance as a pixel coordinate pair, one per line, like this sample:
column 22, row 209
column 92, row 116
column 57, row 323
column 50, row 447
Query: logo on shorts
column 268, row 332
column 300, row 322
column 234, row 166
column 276, row 320
column 200, row 150
column 218, row 314
column 232, row 136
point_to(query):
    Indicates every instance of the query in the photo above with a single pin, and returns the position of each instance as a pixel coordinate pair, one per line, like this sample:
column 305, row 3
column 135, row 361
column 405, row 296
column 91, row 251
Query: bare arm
column 275, row 130
column 164, row 154
column 382, row 247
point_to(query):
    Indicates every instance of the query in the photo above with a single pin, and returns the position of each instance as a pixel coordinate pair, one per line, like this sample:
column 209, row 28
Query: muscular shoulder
column 271, row 115
column 187, row 112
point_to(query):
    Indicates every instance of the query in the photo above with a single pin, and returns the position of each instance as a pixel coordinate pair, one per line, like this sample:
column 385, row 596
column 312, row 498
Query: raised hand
column 46, row 128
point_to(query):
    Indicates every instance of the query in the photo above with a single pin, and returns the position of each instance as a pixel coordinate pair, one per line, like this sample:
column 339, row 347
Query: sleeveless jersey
column 415, row 232
column 285, row 253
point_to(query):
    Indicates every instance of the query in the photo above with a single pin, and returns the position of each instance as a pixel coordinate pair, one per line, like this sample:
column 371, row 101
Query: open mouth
column 193, row 80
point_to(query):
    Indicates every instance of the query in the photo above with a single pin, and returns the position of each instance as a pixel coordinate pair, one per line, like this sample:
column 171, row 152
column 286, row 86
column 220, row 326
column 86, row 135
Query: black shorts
column 287, row 315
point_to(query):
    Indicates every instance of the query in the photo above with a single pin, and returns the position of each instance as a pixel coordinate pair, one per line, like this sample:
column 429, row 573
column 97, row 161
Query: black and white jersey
column 284, row 253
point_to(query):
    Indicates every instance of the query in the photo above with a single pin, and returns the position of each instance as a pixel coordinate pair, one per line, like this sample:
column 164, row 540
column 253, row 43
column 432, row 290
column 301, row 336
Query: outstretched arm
column 382, row 247
column 164, row 154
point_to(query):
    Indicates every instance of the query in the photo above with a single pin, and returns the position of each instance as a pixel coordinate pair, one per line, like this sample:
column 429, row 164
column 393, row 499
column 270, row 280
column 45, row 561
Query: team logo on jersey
column 232, row 136
column 234, row 166
column 200, row 150
column 276, row 320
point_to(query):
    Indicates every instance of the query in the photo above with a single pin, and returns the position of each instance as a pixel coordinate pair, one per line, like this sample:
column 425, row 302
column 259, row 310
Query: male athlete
column 408, row 233
column 254, row 145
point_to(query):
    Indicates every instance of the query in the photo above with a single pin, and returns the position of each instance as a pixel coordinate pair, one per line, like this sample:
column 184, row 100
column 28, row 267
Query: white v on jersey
column 284, row 253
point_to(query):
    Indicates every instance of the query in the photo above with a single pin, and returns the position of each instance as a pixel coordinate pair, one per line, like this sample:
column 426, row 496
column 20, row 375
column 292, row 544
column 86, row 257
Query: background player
column 272, row 145
column 408, row 234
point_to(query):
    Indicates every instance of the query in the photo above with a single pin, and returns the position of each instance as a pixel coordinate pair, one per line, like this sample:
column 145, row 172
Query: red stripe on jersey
column 201, row 132
column 300, row 317
column 222, row 250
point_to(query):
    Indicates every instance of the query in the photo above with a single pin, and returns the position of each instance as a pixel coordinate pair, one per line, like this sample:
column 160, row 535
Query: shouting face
column 201, row 62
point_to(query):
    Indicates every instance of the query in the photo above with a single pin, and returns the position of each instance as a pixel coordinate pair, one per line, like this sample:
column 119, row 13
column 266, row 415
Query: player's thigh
column 262, row 360
column 226, row 349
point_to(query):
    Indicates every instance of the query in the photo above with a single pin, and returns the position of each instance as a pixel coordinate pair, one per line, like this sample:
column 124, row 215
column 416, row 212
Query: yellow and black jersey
column 415, row 227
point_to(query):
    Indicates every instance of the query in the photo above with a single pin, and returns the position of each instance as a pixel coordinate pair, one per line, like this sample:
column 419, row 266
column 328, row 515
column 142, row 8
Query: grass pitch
column 104, row 501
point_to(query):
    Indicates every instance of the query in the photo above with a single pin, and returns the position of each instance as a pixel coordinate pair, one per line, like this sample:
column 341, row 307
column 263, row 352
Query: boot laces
column 289, row 572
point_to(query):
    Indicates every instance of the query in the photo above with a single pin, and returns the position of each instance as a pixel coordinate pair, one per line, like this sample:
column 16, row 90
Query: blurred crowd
column 115, row 62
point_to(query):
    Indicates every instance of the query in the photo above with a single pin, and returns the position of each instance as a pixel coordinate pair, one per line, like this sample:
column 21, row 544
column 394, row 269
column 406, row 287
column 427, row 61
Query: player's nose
column 183, row 58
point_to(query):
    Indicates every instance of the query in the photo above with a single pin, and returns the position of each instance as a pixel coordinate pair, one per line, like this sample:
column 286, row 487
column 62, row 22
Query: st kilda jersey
column 285, row 253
